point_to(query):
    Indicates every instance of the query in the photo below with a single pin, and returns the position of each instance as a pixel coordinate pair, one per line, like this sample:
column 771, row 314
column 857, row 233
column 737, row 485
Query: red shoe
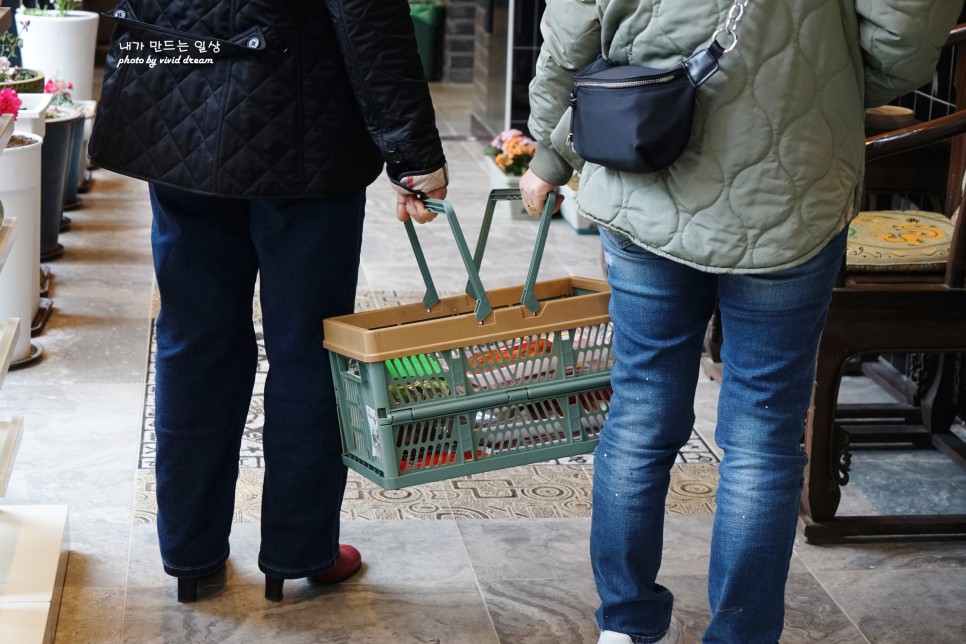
column 348, row 564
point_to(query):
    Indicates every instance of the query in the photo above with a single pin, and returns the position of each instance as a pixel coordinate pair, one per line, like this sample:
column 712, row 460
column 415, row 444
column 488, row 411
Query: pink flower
column 504, row 136
column 9, row 102
column 57, row 86
column 61, row 91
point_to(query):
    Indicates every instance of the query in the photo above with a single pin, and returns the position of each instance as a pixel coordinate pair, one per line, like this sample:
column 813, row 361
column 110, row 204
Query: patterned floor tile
column 692, row 490
column 559, row 488
column 527, row 492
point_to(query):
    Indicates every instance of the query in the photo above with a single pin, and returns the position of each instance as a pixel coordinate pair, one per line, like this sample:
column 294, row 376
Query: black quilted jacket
column 264, row 98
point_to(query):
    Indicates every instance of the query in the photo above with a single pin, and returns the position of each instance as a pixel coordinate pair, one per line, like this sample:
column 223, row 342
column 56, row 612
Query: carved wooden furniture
column 901, row 308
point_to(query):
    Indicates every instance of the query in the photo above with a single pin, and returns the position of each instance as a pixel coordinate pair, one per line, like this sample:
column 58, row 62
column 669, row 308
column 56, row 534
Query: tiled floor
column 499, row 558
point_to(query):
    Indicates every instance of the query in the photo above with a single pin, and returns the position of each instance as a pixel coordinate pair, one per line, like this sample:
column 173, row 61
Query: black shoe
column 188, row 586
column 273, row 588
column 188, row 589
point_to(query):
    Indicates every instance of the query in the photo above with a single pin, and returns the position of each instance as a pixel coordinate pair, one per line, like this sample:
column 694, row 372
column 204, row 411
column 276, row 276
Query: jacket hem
column 722, row 270
column 343, row 190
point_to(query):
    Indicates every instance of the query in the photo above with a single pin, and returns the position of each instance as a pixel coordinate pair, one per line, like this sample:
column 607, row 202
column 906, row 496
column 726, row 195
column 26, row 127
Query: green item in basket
column 416, row 366
column 416, row 377
column 475, row 382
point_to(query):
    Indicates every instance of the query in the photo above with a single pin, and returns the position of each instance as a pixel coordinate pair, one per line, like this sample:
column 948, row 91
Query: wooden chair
column 922, row 171
column 892, row 304
column 912, row 299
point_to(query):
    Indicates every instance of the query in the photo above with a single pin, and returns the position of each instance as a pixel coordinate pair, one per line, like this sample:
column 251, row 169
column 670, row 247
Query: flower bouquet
column 511, row 152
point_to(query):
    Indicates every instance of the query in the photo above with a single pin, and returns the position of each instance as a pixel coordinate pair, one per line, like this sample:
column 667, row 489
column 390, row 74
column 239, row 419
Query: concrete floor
column 498, row 558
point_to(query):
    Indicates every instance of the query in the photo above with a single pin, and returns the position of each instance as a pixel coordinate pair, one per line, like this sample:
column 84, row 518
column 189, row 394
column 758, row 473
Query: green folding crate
column 492, row 379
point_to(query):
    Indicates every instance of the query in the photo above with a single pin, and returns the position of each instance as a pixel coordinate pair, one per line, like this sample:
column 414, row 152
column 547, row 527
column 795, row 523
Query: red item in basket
column 430, row 460
column 522, row 349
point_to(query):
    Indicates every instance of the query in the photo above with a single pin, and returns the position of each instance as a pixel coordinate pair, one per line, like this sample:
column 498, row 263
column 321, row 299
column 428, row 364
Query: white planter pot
column 62, row 46
column 568, row 210
column 20, row 278
column 498, row 180
column 89, row 108
column 30, row 117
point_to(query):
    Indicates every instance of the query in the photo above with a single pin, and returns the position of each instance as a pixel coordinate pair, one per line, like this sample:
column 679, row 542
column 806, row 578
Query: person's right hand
column 534, row 191
column 412, row 207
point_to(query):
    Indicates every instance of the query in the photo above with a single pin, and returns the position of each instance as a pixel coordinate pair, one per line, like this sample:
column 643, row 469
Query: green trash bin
column 428, row 23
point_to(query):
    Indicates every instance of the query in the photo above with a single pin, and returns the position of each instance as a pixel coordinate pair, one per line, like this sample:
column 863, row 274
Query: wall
column 458, row 41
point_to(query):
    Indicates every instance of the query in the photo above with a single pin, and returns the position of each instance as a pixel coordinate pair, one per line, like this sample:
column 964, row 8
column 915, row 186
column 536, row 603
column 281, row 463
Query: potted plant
column 61, row 96
column 60, row 41
column 33, row 111
column 510, row 153
column 19, row 191
column 19, row 79
column 55, row 160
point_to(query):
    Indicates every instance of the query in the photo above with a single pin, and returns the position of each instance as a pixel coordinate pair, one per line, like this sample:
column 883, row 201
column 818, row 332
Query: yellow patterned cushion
column 898, row 240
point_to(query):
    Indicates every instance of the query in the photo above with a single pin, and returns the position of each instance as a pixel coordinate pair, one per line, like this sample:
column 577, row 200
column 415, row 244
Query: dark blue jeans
column 771, row 323
column 207, row 254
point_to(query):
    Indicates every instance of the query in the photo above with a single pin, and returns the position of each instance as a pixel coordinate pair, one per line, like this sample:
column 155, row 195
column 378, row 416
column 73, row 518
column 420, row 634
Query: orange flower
column 512, row 151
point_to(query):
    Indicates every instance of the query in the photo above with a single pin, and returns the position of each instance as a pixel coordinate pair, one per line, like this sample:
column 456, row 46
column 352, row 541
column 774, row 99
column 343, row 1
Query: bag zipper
column 624, row 84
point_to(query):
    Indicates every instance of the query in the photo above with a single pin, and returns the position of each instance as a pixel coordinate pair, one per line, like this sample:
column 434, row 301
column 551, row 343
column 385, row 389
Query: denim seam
column 213, row 566
column 298, row 573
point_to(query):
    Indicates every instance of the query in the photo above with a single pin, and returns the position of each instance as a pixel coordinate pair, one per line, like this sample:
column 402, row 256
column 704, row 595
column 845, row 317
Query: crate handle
column 527, row 298
column 475, row 286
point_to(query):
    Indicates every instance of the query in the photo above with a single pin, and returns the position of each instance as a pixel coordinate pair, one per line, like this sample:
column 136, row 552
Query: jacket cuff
column 420, row 184
column 550, row 166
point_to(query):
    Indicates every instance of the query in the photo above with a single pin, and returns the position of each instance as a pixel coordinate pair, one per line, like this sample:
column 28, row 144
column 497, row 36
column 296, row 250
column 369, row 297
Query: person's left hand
column 411, row 206
column 534, row 191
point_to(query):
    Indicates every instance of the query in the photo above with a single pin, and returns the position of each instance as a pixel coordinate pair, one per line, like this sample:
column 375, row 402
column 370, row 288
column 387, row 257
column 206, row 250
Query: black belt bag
column 637, row 119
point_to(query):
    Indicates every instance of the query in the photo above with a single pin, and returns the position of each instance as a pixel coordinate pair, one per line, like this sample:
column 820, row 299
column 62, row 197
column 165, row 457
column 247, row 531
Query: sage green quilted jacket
column 775, row 163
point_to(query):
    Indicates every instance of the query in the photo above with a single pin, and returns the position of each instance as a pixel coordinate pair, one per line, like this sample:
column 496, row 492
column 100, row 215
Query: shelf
column 10, row 432
column 33, row 539
column 33, row 563
column 7, row 234
column 24, row 622
column 9, row 332
column 6, row 129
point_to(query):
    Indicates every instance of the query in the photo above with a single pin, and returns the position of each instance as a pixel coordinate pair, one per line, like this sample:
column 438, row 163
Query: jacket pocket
column 185, row 42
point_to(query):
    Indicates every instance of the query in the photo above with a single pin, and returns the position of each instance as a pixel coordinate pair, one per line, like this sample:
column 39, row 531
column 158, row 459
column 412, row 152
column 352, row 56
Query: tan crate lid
column 393, row 332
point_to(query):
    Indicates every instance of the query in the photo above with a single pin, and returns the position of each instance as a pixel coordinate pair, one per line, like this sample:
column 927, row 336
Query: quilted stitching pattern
column 774, row 171
column 267, row 125
column 211, row 18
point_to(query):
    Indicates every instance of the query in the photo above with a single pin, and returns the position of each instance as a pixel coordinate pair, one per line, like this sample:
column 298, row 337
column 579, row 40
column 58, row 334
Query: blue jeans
column 771, row 325
column 207, row 254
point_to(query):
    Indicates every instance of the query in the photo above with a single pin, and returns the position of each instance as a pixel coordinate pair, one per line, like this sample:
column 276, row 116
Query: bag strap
column 702, row 64
column 730, row 26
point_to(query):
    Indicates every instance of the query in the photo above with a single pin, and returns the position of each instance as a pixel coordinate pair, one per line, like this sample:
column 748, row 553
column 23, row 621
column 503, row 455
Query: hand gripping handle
column 527, row 298
column 475, row 286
